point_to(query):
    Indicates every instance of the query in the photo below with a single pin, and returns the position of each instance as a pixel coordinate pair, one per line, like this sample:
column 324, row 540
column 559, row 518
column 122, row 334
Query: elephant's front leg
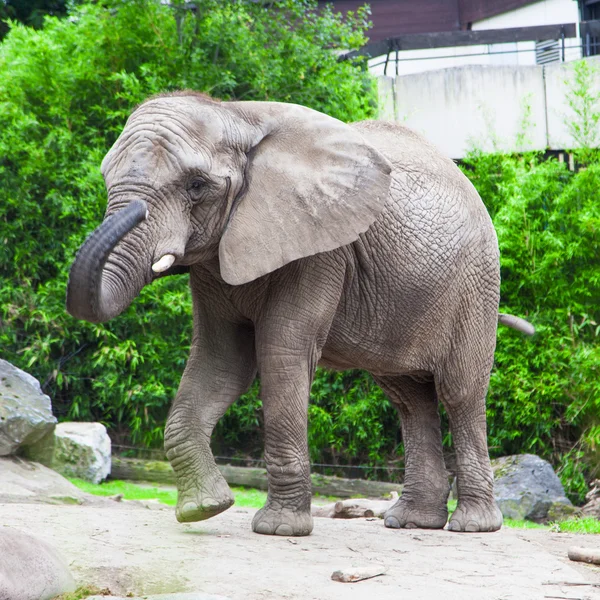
column 285, row 388
column 221, row 367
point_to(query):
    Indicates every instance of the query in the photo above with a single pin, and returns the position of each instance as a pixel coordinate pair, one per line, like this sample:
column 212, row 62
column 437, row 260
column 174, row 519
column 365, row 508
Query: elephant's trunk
column 96, row 293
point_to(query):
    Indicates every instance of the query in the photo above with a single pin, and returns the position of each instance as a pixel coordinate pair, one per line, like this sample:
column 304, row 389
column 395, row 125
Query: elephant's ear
column 312, row 184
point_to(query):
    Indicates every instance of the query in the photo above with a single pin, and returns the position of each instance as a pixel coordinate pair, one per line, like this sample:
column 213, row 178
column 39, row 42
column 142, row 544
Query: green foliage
column 351, row 422
column 584, row 103
column 545, row 392
column 30, row 12
column 65, row 93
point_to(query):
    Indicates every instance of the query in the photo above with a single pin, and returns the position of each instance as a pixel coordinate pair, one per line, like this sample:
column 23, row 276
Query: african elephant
column 309, row 242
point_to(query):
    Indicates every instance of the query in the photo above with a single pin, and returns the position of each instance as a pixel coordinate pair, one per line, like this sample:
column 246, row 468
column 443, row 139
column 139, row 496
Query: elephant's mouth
column 174, row 270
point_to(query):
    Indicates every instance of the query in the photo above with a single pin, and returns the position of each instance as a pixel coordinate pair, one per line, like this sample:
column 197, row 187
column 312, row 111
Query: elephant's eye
column 196, row 188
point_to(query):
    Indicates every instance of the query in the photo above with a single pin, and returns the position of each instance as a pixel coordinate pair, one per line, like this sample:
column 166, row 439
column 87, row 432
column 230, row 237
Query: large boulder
column 526, row 487
column 22, row 481
column 25, row 411
column 31, row 569
column 76, row 450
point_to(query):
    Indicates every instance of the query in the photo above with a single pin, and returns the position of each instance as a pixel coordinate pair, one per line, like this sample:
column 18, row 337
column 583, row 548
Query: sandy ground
column 128, row 548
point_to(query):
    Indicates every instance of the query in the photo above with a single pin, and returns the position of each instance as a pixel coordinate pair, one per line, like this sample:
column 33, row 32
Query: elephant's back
column 418, row 166
column 430, row 257
column 430, row 197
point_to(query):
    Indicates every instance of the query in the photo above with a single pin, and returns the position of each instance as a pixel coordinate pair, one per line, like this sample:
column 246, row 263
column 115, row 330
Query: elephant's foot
column 197, row 501
column 273, row 519
column 475, row 516
column 411, row 514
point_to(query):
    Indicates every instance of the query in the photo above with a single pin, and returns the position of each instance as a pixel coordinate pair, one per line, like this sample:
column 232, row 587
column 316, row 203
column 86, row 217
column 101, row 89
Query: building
column 410, row 36
column 491, row 75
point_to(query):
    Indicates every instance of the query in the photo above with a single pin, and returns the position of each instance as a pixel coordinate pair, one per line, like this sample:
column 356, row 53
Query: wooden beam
column 158, row 471
column 450, row 39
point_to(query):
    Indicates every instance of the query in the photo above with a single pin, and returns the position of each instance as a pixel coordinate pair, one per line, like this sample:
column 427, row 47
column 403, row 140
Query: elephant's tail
column 516, row 323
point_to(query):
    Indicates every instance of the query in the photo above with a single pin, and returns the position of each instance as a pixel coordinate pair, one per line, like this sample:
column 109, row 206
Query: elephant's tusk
column 163, row 263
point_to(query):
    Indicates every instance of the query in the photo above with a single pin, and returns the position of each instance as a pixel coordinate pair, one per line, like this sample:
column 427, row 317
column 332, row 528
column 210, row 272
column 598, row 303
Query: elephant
column 308, row 242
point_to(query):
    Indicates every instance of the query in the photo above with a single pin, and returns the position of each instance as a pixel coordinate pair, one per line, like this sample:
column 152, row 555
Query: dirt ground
column 130, row 548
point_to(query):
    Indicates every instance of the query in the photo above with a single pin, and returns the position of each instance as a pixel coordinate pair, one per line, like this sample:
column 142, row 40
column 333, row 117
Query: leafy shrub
column 65, row 93
column 545, row 392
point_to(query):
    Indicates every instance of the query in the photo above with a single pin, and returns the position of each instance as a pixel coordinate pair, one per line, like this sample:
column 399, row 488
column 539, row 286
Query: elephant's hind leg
column 477, row 509
column 424, row 498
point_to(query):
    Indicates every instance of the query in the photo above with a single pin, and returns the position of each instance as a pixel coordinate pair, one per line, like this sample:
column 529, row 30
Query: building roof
column 396, row 17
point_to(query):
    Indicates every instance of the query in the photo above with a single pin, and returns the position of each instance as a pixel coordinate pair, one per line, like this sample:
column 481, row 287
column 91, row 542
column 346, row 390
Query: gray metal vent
column 547, row 51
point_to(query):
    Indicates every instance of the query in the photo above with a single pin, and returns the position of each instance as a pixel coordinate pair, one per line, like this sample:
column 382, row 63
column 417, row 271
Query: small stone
column 354, row 574
column 592, row 506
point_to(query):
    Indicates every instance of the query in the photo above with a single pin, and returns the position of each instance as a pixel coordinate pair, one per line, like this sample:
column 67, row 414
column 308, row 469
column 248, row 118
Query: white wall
column 492, row 108
column 476, row 105
column 544, row 12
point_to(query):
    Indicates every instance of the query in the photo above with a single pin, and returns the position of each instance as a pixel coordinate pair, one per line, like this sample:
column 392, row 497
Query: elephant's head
column 258, row 184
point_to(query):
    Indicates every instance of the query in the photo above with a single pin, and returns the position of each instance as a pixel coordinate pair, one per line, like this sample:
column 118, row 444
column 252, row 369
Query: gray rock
column 31, row 569
column 29, row 482
column 82, row 450
column 25, row 412
column 526, row 487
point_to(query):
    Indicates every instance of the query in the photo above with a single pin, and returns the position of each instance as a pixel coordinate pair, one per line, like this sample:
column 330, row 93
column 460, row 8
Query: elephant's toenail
column 472, row 526
column 262, row 527
column 284, row 530
column 454, row 525
column 392, row 522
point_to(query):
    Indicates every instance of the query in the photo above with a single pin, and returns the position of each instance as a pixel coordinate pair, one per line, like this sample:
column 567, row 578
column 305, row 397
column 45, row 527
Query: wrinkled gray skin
column 309, row 242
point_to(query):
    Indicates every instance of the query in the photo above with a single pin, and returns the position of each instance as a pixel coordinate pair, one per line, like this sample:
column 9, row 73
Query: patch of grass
column 83, row 592
column 249, row 497
column 577, row 525
column 130, row 491
column 523, row 524
column 244, row 497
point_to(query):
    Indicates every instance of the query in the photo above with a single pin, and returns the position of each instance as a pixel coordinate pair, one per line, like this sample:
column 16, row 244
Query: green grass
column 83, row 592
column 578, row 525
column 247, row 498
column 252, row 498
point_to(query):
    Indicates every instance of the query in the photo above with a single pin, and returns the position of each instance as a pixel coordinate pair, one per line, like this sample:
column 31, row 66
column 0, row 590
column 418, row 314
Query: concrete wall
column 492, row 108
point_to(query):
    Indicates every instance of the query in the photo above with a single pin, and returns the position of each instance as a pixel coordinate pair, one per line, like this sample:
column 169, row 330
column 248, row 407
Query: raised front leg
column 221, row 367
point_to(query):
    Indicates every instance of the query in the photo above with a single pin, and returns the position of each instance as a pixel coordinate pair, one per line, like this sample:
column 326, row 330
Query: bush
column 545, row 392
column 65, row 93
